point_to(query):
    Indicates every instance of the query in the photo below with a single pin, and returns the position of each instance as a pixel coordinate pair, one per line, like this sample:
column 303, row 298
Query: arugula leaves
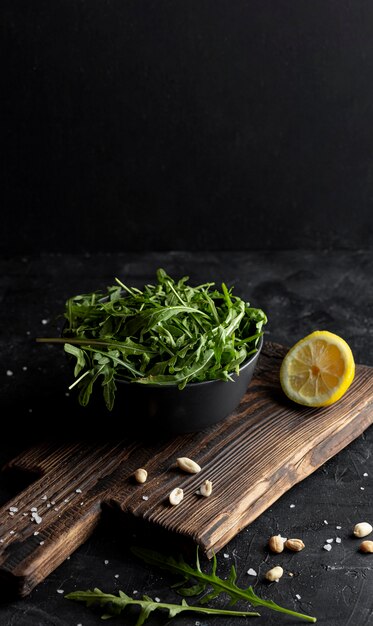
column 166, row 334
column 210, row 584
column 114, row 605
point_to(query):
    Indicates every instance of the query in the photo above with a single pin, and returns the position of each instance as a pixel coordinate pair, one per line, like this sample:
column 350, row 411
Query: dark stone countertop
column 300, row 291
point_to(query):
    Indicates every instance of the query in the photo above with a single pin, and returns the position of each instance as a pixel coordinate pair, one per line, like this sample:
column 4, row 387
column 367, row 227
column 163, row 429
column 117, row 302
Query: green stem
column 197, row 609
column 79, row 379
column 212, row 580
column 241, row 593
column 75, row 341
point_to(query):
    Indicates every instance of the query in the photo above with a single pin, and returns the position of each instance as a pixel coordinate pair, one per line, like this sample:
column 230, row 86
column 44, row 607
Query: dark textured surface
column 300, row 291
column 135, row 121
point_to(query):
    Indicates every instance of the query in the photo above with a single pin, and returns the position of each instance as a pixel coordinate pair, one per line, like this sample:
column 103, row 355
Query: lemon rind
column 335, row 394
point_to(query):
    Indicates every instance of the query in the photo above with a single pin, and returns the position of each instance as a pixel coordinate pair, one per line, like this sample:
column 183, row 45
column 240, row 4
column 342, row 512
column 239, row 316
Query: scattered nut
column 141, row 475
column 366, row 546
column 187, row 465
column 276, row 544
column 362, row 529
column 296, row 545
column 206, row 488
column 176, row 496
column 275, row 573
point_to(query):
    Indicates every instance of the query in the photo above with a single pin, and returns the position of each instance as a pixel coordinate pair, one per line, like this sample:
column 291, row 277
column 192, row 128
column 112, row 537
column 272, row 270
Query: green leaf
column 147, row 320
column 79, row 355
column 169, row 333
column 114, row 605
column 109, row 388
column 212, row 584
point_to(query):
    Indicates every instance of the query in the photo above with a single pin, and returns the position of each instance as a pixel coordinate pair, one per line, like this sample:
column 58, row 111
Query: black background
column 199, row 124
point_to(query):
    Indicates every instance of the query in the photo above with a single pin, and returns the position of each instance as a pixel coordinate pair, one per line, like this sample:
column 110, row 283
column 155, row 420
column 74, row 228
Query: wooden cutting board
column 252, row 458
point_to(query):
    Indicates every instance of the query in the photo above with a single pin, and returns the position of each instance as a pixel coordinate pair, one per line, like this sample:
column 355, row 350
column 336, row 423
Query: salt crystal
column 106, row 562
column 60, row 591
column 365, row 474
column 13, row 509
column 326, row 522
column 24, row 514
column 34, row 508
column 145, row 497
column 41, row 543
column 48, row 505
column 66, row 499
column 53, row 502
column 12, row 532
column 81, row 504
column 298, row 597
column 338, row 540
column 157, row 599
column 251, row 572
column 329, row 540
column 225, row 555
column 338, row 527
column 362, row 488
column 36, row 532
column 134, row 592
column 9, row 373
column 24, row 367
column 67, row 394
column 45, row 322
column 116, row 575
column 78, row 491
column 11, row 514
column 37, row 518
column 56, row 508
column 292, row 506
column 327, row 547
column 44, row 497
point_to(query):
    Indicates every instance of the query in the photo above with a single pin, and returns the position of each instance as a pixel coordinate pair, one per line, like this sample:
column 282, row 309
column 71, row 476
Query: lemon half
column 317, row 370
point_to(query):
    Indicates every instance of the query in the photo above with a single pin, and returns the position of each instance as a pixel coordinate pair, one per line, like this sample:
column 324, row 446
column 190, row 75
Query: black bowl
column 167, row 409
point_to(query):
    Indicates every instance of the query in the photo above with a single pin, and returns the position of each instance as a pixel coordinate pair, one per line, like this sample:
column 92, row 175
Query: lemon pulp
column 317, row 370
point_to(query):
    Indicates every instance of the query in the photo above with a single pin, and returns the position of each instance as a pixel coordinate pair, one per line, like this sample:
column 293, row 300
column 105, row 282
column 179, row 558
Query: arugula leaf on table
column 210, row 583
column 114, row 605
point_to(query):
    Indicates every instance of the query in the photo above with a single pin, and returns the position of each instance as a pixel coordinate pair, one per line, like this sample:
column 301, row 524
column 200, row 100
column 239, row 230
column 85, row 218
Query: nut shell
column 275, row 573
column 276, row 544
column 206, row 488
column 295, row 545
column 366, row 546
column 362, row 529
column 141, row 475
column 176, row 496
column 188, row 465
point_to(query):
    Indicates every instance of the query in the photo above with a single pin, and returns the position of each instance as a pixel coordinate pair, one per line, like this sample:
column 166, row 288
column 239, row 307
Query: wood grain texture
column 252, row 458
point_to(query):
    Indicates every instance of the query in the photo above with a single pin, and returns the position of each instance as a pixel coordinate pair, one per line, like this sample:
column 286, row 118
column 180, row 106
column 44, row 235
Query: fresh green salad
column 166, row 333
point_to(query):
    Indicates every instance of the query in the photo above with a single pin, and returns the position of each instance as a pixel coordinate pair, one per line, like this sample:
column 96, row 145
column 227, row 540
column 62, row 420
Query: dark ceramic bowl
column 168, row 409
